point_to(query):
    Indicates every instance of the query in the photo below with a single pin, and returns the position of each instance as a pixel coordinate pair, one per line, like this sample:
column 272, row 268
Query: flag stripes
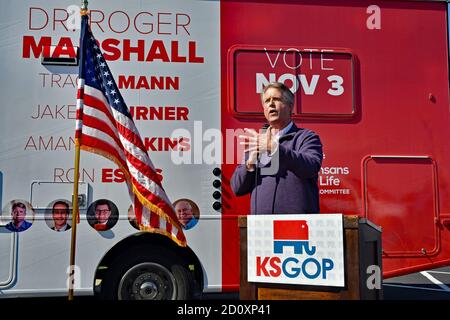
column 104, row 126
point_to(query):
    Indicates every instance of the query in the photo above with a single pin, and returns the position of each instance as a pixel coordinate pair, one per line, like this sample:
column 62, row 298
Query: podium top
column 350, row 222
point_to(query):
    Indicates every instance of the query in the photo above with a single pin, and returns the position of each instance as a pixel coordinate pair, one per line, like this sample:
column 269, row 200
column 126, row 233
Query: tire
column 147, row 273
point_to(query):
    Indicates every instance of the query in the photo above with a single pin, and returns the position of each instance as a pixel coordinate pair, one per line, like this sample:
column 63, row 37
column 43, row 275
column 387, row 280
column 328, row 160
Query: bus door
column 8, row 247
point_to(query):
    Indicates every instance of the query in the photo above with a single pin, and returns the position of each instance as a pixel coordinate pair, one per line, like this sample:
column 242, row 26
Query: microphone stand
column 263, row 130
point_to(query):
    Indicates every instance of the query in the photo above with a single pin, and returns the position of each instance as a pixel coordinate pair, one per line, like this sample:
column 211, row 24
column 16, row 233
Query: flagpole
column 75, row 211
column 74, row 220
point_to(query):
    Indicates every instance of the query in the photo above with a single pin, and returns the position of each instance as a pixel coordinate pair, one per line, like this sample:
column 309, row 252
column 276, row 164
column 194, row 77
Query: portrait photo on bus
column 132, row 217
column 17, row 215
column 58, row 215
column 102, row 215
column 187, row 212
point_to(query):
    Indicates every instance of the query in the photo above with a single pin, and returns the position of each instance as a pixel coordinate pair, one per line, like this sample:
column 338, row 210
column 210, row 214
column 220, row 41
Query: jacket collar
column 290, row 134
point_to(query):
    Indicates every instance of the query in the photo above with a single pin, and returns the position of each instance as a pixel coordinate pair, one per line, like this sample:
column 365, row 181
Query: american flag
column 104, row 126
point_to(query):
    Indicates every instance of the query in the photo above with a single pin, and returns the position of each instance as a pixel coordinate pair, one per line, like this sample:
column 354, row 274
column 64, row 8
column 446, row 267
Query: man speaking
column 282, row 164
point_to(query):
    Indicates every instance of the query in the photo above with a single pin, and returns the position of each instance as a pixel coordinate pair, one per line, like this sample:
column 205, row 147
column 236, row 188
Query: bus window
column 322, row 80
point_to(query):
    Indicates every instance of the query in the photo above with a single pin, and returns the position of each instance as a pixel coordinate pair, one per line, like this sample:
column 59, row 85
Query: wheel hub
column 146, row 287
column 147, row 281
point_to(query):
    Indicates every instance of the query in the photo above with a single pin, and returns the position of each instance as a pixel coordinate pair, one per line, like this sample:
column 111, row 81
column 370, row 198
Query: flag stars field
column 105, row 127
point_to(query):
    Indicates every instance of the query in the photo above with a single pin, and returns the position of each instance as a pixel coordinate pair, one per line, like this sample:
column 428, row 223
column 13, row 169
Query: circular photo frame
column 132, row 217
column 102, row 215
column 187, row 212
column 58, row 215
column 18, row 215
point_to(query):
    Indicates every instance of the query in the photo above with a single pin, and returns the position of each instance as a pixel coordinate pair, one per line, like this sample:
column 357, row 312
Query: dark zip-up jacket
column 294, row 186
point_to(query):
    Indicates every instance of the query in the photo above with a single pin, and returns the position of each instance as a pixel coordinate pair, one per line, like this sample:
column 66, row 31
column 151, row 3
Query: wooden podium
column 362, row 248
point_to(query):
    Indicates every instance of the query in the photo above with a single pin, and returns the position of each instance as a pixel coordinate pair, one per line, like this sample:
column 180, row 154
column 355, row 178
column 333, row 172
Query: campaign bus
column 370, row 77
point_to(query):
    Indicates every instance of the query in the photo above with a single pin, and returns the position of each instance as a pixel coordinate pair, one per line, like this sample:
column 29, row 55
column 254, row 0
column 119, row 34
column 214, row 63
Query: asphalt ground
column 409, row 295
column 426, row 285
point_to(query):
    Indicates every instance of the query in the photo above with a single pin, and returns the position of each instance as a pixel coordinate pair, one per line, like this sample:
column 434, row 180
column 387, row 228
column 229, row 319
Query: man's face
column 102, row 213
column 19, row 214
column 277, row 113
column 60, row 213
column 184, row 212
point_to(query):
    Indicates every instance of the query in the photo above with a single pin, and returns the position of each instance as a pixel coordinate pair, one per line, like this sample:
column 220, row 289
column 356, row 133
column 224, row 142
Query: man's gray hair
column 288, row 96
column 186, row 202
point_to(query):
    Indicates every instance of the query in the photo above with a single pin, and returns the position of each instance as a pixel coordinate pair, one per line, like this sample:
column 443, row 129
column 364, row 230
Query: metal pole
column 84, row 7
column 75, row 210
column 75, row 213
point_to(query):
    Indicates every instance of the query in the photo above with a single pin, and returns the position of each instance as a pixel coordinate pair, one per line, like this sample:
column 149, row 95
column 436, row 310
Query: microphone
column 265, row 127
column 263, row 130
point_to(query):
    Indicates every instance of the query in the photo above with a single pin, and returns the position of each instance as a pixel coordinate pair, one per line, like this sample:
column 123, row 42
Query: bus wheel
column 147, row 276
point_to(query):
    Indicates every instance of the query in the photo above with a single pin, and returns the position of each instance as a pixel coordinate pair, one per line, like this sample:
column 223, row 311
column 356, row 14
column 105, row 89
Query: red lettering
column 149, row 143
column 261, row 266
column 142, row 83
column 192, row 54
column 161, row 83
column 173, row 82
column 156, row 113
column 127, row 49
column 174, row 53
column 182, row 113
column 29, row 44
column 141, row 113
column 184, row 144
column 107, row 175
column 169, row 113
column 126, row 83
column 157, row 83
column 64, row 47
column 159, row 113
column 119, row 176
column 111, row 52
column 170, row 144
column 132, row 111
column 157, row 51
column 275, row 264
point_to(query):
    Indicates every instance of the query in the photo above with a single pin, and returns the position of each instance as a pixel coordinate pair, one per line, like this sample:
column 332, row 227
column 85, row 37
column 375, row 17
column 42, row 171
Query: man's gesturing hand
column 257, row 143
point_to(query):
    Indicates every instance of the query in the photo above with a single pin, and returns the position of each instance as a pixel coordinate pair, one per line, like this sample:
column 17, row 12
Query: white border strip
column 442, row 272
column 412, row 287
column 435, row 281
